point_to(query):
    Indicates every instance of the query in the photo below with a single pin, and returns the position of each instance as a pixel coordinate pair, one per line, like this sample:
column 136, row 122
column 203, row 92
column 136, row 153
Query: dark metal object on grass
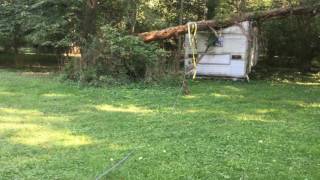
column 105, row 173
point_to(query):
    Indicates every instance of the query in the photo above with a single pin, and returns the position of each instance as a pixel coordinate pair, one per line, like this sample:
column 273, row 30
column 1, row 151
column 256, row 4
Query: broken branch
column 215, row 24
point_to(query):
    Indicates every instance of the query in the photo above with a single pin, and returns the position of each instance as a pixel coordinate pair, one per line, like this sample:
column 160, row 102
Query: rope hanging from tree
column 192, row 33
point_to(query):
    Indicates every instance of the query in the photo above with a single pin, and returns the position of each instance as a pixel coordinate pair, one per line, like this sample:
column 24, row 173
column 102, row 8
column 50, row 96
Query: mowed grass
column 223, row 130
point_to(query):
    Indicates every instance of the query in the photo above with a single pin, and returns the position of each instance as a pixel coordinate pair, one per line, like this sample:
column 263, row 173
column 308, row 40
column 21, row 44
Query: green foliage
column 291, row 42
column 315, row 64
column 13, row 24
column 287, row 43
column 119, row 56
column 130, row 51
column 54, row 26
column 39, row 23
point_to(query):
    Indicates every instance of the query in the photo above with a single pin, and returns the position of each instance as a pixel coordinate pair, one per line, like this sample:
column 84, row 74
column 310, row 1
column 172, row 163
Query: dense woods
column 105, row 33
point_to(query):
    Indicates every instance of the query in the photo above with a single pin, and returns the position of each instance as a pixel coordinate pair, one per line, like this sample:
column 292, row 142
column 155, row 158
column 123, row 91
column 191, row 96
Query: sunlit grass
column 56, row 95
column 8, row 94
column 30, row 127
column 223, row 130
column 126, row 109
column 308, row 84
column 20, row 112
column 30, row 134
column 189, row 97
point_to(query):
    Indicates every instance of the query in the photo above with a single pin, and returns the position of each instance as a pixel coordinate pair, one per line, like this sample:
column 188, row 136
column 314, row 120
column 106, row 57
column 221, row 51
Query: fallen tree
column 216, row 24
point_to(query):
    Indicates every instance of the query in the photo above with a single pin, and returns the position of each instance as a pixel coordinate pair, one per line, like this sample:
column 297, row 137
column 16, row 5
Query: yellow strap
column 192, row 32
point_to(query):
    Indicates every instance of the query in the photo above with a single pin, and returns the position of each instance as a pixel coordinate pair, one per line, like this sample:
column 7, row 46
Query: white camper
column 233, row 55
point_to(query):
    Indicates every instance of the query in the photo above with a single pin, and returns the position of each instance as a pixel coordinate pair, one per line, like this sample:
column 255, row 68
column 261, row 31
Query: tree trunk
column 179, row 50
column 16, row 38
column 88, row 31
column 216, row 24
column 133, row 7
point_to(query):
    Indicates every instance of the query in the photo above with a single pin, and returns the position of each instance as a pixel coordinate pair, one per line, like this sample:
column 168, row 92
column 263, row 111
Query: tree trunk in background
column 253, row 16
column 180, row 41
column 16, row 41
column 132, row 15
column 88, row 32
column 205, row 12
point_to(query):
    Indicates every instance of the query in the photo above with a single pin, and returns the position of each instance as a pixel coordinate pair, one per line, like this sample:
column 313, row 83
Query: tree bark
column 88, row 31
column 133, row 7
column 216, row 24
column 179, row 50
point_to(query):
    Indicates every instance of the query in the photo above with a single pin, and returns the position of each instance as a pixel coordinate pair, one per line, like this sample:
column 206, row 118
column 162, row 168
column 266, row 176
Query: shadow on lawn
column 39, row 144
column 124, row 108
column 89, row 118
column 81, row 131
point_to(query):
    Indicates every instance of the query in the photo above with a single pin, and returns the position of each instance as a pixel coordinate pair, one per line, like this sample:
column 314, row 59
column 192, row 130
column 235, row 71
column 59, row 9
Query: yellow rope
column 192, row 33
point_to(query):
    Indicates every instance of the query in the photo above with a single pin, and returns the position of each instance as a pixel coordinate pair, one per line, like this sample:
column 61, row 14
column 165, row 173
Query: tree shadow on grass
column 37, row 145
column 222, row 128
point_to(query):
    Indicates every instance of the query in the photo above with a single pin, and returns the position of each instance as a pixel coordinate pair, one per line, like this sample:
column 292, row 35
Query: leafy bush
column 315, row 64
column 292, row 42
column 118, row 57
column 130, row 53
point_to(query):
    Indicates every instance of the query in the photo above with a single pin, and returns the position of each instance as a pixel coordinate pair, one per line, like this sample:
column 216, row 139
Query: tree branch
column 215, row 24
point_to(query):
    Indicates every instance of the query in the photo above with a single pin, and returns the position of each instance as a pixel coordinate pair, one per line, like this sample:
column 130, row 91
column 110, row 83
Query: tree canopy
column 56, row 26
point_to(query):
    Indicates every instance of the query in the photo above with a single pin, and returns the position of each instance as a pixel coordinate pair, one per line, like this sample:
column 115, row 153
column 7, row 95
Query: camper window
column 236, row 57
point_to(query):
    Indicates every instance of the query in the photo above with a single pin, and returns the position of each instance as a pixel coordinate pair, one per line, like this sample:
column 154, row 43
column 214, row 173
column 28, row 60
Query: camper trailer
column 232, row 55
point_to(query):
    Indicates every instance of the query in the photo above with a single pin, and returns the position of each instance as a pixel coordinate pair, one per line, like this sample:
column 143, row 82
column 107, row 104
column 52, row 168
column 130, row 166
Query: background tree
column 14, row 24
column 55, row 26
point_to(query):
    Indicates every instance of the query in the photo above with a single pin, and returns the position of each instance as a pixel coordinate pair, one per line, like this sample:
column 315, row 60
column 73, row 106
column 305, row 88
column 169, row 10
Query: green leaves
column 49, row 23
column 129, row 50
column 13, row 23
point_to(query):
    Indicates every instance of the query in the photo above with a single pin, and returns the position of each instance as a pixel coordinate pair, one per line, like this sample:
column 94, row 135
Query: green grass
column 223, row 130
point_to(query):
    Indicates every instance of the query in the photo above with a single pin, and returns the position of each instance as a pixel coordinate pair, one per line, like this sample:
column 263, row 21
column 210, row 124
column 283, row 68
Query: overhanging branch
column 253, row 16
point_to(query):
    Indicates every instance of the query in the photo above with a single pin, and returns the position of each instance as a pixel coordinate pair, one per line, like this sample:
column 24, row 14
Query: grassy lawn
column 223, row 130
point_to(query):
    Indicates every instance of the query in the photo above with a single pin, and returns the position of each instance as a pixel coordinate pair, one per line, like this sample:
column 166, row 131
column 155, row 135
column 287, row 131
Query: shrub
column 118, row 57
column 315, row 64
column 129, row 54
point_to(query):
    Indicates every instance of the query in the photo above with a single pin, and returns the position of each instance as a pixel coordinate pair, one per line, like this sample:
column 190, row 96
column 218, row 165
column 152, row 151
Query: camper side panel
column 227, row 59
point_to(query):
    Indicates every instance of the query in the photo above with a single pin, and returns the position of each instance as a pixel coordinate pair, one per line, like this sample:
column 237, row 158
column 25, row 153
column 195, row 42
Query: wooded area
column 106, row 34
